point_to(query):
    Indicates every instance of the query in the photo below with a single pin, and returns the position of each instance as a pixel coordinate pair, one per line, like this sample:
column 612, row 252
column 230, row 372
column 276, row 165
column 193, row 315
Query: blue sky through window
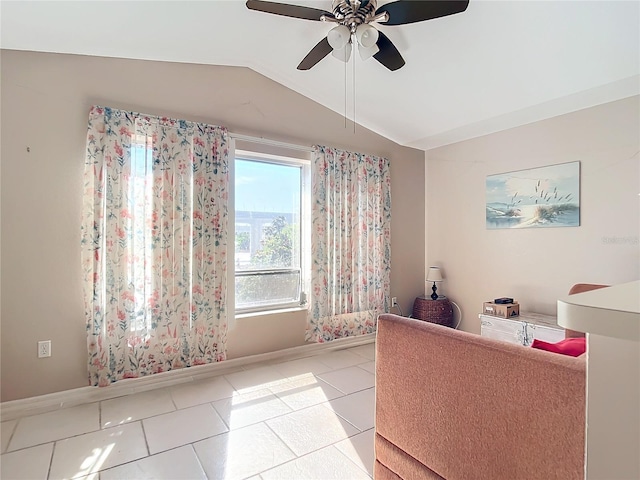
column 266, row 187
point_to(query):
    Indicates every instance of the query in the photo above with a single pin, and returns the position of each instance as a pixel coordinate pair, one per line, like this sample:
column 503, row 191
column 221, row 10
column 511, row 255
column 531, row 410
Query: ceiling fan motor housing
column 354, row 12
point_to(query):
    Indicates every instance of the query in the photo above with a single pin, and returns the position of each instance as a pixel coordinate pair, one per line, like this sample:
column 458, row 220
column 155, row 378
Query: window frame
column 304, row 231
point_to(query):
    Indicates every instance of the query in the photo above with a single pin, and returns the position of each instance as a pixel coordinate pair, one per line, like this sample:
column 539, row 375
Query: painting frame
column 540, row 197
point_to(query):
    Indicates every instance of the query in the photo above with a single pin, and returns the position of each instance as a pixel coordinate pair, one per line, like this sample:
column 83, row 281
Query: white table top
column 612, row 311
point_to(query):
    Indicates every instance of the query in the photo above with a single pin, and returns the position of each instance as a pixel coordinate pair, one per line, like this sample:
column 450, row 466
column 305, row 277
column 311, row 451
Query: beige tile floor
column 310, row 418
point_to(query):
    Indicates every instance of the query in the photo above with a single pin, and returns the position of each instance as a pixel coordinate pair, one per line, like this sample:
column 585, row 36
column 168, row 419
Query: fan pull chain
column 345, row 95
column 354, row 87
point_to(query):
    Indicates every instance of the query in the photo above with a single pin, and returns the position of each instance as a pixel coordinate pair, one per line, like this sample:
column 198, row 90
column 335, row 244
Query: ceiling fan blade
column 317, row 53
column 389, row 56
column 295, row 11
column 402, row 12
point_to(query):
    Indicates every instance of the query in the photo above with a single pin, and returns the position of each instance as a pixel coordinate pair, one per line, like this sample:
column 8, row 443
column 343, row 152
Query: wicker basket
column 435, row 311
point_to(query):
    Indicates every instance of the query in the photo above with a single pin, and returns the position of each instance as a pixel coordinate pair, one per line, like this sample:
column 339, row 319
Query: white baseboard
column 78, row 396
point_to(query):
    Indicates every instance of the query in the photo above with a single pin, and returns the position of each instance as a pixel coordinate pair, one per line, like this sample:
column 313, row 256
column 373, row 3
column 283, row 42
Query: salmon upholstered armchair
column 454, row 405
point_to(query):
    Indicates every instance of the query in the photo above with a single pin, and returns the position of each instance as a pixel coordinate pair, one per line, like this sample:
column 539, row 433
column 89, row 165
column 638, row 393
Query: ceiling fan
column 354, row 19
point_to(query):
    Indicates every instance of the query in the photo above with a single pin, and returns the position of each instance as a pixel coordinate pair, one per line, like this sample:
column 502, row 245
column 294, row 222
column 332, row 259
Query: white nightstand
column 522, row 329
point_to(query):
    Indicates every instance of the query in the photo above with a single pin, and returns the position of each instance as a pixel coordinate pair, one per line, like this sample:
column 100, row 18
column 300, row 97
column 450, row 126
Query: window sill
column 264, row 313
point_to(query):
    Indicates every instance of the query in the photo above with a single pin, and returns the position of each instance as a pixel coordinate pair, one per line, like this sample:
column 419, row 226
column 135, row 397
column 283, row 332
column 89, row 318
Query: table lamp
column 434, row 275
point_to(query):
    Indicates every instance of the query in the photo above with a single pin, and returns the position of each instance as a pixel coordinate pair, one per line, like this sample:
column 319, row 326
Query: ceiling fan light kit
column 343, row 54
column 339, row 36
column 355, row 19
column 367, row 53
column 366, row 35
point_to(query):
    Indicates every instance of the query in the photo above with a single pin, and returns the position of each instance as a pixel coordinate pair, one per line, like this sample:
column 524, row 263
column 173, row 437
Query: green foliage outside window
column 277, row 250
column 277, row 246
column 243, row 241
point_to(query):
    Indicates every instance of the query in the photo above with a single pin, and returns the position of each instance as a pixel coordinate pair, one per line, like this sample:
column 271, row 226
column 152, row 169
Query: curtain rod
column 273, row 143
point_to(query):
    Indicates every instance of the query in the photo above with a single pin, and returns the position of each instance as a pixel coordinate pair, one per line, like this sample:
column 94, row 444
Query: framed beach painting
column 534, row 198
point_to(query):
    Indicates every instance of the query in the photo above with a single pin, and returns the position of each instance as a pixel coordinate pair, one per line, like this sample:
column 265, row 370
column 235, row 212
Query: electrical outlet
column 44, row 349
column 394, row 301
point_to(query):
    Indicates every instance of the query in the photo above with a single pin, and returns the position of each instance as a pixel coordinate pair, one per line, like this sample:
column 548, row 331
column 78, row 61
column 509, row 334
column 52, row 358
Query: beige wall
column 536, row 266
column 45, row 102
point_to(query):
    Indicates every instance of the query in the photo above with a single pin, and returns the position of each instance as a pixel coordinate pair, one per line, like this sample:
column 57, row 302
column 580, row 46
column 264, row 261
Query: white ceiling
column 498, row 65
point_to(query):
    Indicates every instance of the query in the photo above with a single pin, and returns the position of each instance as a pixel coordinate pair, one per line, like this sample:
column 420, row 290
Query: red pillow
column 569, row 346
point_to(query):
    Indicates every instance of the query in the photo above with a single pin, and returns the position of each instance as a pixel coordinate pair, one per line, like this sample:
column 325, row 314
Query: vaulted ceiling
column 498, row 65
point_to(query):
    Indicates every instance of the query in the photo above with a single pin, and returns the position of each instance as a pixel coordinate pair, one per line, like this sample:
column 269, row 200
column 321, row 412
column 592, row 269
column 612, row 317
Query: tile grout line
column 142, row 458
column 53, row 451
column 351, row 461
column 195, row 441
column 15, row 427
column 277, row 394
column 146, row 442
column 175, row 405
column 54, row 440
column 359, row 431
column 344, row 418
column 131, row 422
column 167, row 413
column 350, row 393
column 314, row 451
column 259, row 421
column 195, row 454
column 307, row 408
column 228, row 425
column 229, row 431
column 283, row 442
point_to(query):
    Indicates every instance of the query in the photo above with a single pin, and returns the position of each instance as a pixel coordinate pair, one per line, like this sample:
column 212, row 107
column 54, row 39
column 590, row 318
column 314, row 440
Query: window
column 269, row 231
column 138, row 218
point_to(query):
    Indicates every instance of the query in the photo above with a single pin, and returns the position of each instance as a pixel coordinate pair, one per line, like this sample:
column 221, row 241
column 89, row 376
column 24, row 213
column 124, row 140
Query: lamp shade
column 367, row 53
column 366, row 35
column 434, row 275
column 343, row 54
column 338, row 37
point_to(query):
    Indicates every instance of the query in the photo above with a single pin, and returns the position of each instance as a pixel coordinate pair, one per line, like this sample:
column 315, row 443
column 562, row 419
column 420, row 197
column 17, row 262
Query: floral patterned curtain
column 154, row 243
column 350, row 243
